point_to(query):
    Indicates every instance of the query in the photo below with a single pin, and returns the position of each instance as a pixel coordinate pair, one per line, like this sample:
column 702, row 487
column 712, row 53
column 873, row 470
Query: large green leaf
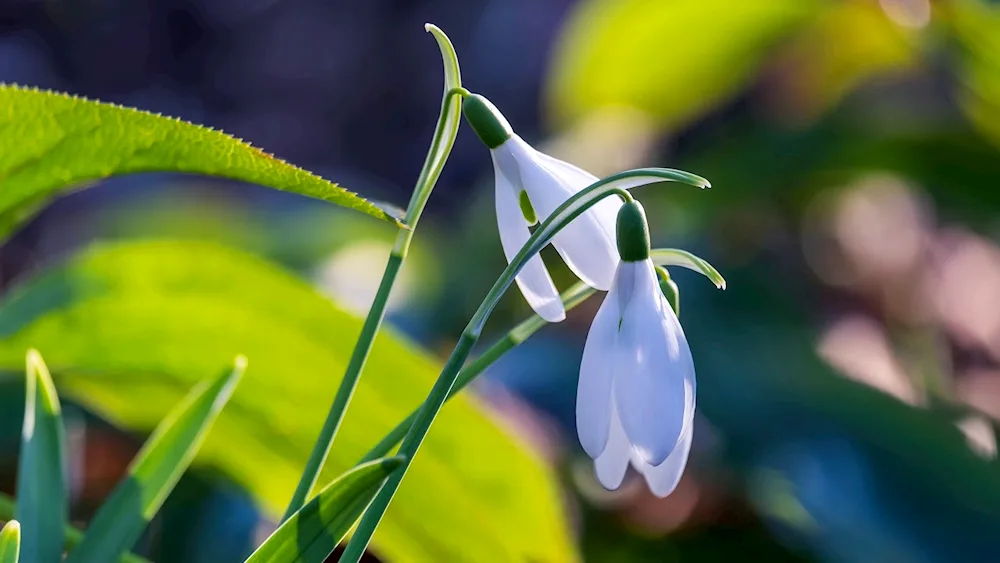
column 672, row 59
column 150, row 319
column 51, row 142
column 312, row 533
column 155, row 470
column 42, row 497
column 10, row 542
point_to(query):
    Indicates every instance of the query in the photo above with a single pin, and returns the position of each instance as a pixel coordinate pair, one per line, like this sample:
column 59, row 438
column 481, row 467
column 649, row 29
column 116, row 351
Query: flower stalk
column 444, row 138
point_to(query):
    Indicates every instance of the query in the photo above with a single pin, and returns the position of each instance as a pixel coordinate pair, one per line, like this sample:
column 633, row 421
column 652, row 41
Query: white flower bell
column 636, row 396
column 530, row 185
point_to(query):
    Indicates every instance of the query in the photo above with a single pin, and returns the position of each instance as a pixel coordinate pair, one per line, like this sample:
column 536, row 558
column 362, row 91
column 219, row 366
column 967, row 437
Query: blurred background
column 849, row 377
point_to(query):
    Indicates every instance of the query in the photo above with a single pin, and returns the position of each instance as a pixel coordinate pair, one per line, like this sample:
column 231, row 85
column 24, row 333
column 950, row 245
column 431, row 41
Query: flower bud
column 486, row 120
column 633, row 232
column 669, row 289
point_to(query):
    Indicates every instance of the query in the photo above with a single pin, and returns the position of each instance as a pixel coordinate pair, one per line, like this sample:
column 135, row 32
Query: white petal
column 587, row 244
column 654, row 383
column 662, row 479
column 613, row 463
column 533, row 279
column 597, row 368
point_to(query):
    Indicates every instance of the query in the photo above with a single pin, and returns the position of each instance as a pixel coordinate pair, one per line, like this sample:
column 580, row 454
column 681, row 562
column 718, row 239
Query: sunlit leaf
column 311, row 534
column 41, row 475
column 672, row 59
column 52, row 142
column 171, row 313
column 847, row 44
column 154, row 472
column 10, row 542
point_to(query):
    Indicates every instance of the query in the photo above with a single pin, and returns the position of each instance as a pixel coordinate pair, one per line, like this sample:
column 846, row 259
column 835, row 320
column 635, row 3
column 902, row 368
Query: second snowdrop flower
column 636, row 396
column 530, row 185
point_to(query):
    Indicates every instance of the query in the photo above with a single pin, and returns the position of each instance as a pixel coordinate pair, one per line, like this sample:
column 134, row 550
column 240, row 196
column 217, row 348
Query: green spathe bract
column 437, row 154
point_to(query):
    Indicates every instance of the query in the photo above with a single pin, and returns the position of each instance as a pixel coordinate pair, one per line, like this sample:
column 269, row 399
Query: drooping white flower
column 530, row 185
column 636, row 395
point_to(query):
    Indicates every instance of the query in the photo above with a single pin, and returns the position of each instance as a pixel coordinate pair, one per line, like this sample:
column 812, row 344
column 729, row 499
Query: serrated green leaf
column 154, row 472
column 171, row 313
column 313, row 532
column 10, row 542
column 41, row 478
column 52, row 142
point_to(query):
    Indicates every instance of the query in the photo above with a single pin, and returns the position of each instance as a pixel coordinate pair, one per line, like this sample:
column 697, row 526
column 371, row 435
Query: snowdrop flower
column 636, row 396
column 530, row 185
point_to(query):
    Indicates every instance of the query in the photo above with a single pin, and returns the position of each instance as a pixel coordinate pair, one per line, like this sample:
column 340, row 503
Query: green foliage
column 673, row 60
column 312, row 533
column 10, row 542
column 171, row 312
column 976, row 30
column 72, row 536
column 155, row 470
column 52, row 142
column 41, row 483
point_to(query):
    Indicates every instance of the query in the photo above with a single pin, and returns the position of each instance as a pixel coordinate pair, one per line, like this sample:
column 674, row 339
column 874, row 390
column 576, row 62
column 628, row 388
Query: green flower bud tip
column 486, row 120
column 633, row 232
column 526, row 209
column 669, row 289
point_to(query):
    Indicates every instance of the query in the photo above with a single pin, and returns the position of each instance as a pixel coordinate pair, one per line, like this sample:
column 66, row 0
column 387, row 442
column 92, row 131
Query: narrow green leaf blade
column 71, row 537
column 155, row 470
column 311, row 534
column 10, row 542
column 51, row 142
column 683, row 258
column 41, row 479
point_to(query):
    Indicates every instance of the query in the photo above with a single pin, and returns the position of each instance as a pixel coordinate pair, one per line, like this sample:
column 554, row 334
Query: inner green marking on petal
column 526, row 209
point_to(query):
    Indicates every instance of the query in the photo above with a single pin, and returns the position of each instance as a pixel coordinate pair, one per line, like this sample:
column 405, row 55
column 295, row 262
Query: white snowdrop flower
column 530, row 185
column 636, row 395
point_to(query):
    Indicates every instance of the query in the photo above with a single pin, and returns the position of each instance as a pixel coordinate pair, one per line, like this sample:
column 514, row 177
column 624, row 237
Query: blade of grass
column 155, row 470
column 71, row 537
column 312, row 533
column 41, row 483
column 10, row 542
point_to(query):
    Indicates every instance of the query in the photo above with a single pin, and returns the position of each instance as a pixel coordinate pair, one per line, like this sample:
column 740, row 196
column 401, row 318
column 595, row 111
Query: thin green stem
column 437, row 155
column 320, row 451
column 72, row 537
column 570, row 298
column 569, row 210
